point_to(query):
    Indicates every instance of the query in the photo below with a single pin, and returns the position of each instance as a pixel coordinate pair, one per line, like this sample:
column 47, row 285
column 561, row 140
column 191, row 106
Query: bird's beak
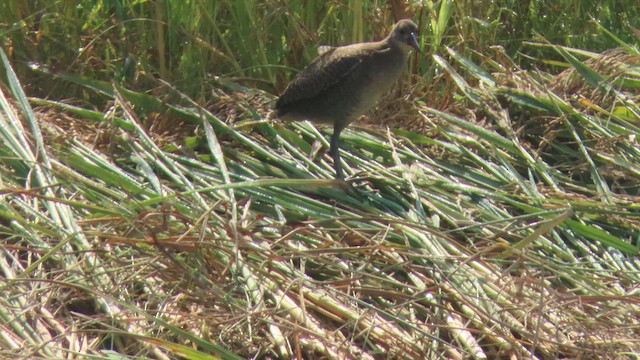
column 413, row 42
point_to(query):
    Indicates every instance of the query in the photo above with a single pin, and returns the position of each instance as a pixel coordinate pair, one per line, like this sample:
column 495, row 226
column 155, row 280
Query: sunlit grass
column 152, row 220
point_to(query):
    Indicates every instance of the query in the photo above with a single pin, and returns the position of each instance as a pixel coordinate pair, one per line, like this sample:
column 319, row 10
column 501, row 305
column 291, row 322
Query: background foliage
column 150, row 209
column 189, row 42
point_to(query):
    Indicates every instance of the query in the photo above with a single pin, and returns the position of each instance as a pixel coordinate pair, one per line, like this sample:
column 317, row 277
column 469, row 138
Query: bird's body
column 344, row 82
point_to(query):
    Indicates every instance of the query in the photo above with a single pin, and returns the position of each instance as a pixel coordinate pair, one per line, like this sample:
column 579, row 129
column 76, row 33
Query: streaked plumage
column 344, row 82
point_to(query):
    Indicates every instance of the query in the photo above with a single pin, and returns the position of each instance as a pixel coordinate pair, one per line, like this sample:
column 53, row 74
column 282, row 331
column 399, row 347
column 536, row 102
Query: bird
column 344, row 82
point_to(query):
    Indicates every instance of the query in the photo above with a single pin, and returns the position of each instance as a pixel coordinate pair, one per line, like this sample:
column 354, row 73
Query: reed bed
column 491, row 213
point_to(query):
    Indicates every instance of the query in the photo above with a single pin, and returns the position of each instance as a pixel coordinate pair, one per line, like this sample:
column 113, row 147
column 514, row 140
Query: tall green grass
column 188, row 43
column 163, row 219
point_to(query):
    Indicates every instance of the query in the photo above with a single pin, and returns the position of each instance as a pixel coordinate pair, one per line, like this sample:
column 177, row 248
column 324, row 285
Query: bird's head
column 405, row 34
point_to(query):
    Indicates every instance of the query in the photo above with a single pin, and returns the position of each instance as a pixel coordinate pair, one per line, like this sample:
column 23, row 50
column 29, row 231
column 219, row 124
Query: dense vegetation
column 151, row 208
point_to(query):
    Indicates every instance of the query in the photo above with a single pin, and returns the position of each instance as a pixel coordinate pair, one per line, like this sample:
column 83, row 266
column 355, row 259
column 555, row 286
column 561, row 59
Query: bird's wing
column 324, row 72
column 324, row 48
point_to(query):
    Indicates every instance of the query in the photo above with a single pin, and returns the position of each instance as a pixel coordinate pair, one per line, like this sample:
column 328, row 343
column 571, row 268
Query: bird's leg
column 334, row 150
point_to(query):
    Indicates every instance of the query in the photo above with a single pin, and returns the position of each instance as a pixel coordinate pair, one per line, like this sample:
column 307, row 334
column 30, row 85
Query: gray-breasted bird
column 344, row 82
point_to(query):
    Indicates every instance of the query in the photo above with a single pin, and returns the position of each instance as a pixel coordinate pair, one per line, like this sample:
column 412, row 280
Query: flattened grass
column 469, row 242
